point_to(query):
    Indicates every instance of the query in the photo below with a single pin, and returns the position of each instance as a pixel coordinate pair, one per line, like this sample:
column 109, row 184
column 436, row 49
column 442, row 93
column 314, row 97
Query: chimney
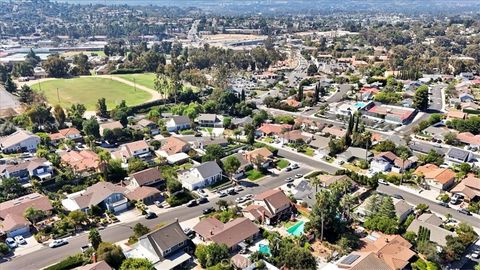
column 176, row 219
column 211, row 232
column 94, row 257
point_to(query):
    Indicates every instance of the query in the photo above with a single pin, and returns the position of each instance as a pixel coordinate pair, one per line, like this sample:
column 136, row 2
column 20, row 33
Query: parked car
column 20, row 240
column 208, row 210
column 455, row 200
column 231, row 191
column 240, row 200
column 289, row 179
column 248, row 196
column 383, row 182
column 150, row 215
column 192, row 203
column 238, row 188
column 288, row 169
column 189, row 232
column 58, row 243
column 397, row 196
column 295, row 166
column 222, row 194
column 298, row 175
column 83, row 249
column 465, row 212
column 202, row 200
column 476, row 254
column 201, row 191
column 444, row 204
column 11, row 243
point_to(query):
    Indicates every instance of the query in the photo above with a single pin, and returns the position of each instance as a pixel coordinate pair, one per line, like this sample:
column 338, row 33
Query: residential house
column 203, row 142
column 177, row 123
column 388, row 161
column 435, row 177
column 402, row 209
column 355, row 153
column 437, row 133
column 393, row 250
column 362, row 260
column 110, row 126
column 166, row 248
column 425, row 148
column 268, row 129
column 19, row 141
column 147, row 195
column 432, row 223
column 307, row 124
column 81, row 161
column 456, row 115
column 469, row 188
column 335, row 132
column 269, row 207
column 137, row 149
column 67, row 133
column 241, row 122
column 208, row 120
column 147, row 177
column 232, row 233
column 304, row 192
column 244, row 165
column 12, row 213
column 458, row 156
column 201, row 176
column 37, row 168
column 104, row 194
column 469, row 139
column 320, row 144
column 292, row 103
column 174, row 145
column 149, row 125
column 466, row 97
column 296, row 137
column 260, row 156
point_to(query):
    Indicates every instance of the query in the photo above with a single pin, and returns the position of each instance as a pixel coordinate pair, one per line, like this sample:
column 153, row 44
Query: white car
column 248, row 196
column 383, row 182
column 58, row 243
column 476, row 254
column 11, row 243
column 240, row 199
column 20, row 240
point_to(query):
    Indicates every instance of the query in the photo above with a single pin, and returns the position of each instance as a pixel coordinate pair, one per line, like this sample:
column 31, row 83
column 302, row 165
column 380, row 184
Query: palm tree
column 316, row 182
column 403, row 156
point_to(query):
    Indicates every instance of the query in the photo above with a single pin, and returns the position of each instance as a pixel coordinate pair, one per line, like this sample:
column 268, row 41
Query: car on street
column 295, row 166
column 58, row 243
column 158, row 204
column 382, row 182
column 202, row 200
column 397, row 196
column 208, row 210
column 83, row 249
column 238, row 189
column 288, row 169
column 298, row 175
column 20, row 240
column 192, row 203
column 222, row 194
column 240, row 199
column 150, row 215
column 475, row 254
column 289, row 179
column 464, row 211
column 444, row 204
column 248, row 196
column 11, row 242
column 201, row 191
column 231, row 191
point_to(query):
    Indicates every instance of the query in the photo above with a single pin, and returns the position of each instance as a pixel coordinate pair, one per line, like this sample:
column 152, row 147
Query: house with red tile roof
column 268, row 129
column 175, row 145
column 269, row 207
column 81, row 161
column 260, row 154
column 456, row 115
column 468, row 187
column 231, row 233
column 436, row 178
column 67, row 133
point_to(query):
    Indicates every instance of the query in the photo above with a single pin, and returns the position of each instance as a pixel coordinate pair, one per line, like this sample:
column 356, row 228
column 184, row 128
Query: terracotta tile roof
column 469, row 186
column 174, row 145
column 19, row 205
column 292, row 103
column 432, row 171
column 81, row 160
column 337, row 132
column 101, row 265
column 69, row 131
column 394, row 250
column 394, row 159
column 456, row 114
column 468, row 138
column 111, row 125
column 142, row 193
column 263, row 152
column 274, row 198
column 12, row 222
column 330, row 179
column 257, row 211
column 147, row 176
column 230, row 233
column 274, row 129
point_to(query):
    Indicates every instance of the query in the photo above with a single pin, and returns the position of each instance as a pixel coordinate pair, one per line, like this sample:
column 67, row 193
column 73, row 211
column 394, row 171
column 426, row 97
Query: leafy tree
column 410, row 237
column 250, row 133
column 300, row 93
column 111, row 254
column 450, row 138
column 56, row 66
column 173, row 186
column 222, row 204
column 26, row 94
column 7, row 128
column 312, row 70
column 95, row 239
column 420, row 100
column 10, row 188
column 115, row 171
column 454, row 248
column 10, row 86
column 32, row 58
column 213, row 152
column 59, row 114
column 102, row 107
column 212, row 254
column 34, row 215
column 137, row 264
column 78, row 217
column 40, row 114
column 82, row 64
column 22, row 69
column 91, row 127
column 139, row 230
column 466, row 233
column 136, row 165
column 385, row 146
column 4, row 249
column 231, row 164
column 431, row 157
column 336, row 146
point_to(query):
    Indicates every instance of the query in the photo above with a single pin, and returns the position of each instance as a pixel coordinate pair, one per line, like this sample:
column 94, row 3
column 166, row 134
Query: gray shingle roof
column 457, row 153
column 209, row 169
column 181, row 120
column 167, row 237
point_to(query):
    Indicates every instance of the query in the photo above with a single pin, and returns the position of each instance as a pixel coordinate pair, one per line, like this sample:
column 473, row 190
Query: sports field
column 87, row 90
column 148, row 80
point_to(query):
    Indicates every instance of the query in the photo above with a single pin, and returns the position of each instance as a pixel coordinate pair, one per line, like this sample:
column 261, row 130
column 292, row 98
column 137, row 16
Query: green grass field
column 254, row 174
column 148, row 80
column 282, row 164
column 88, row 90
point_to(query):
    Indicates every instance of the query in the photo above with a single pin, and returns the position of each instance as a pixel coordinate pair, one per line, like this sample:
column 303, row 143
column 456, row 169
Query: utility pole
column 58, row 96
column 135, row 84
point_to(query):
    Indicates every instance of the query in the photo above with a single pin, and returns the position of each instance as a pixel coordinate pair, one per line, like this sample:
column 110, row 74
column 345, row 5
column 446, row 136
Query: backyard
column 87, row 91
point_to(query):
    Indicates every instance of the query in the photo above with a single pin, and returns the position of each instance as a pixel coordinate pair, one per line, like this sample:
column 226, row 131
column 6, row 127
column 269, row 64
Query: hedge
column 127, row 71
column 68, row 263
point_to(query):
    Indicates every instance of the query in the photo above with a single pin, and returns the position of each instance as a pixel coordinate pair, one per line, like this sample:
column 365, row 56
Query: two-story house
column 436, row 178
column 166, row 248
column 67, row 133
column 201, row 176
column 38, row 168
column 209, row 120
column 458, row 156
column 269, row 207
column 19, row 141
column 103, row 194
column 147, row 177
column 110, row 126
column 177, row 123
column 138, row 149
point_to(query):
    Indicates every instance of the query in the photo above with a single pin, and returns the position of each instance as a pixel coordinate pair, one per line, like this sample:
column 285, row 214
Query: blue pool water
column 265, row 249
column 297, row 228
column 359, row 104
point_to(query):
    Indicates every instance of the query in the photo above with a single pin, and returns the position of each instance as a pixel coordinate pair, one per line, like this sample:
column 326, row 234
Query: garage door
column 19, row 231
column 120, row 207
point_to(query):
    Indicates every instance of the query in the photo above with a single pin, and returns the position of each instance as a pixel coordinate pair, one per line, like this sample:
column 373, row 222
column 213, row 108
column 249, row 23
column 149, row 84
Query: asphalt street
column 434, row 207
column 118, row 232
column 338, row 96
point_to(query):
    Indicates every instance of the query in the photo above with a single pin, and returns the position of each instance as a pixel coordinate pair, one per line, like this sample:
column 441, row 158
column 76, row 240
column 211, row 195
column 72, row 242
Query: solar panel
column 350, row 259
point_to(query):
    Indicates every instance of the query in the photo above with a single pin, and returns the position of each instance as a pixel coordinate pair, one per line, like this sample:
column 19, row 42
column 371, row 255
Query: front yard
column 254, row 174
column 283, row 163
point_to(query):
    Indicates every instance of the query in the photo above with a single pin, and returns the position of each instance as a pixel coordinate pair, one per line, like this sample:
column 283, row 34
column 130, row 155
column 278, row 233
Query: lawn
column 148, row 80
column 352, row 167
column 87, row 90
column 283, row 163
column 254, row 174
column 309, row 152
column 72, row 53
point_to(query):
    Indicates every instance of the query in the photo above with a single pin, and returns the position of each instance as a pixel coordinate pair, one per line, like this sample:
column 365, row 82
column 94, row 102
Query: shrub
column 68, row 263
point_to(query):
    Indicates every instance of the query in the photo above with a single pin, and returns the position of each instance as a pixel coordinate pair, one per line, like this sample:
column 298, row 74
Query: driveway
column 338, row 96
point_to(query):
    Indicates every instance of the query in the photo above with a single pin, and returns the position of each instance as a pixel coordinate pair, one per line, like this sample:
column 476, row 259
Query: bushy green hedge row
column 69, row 263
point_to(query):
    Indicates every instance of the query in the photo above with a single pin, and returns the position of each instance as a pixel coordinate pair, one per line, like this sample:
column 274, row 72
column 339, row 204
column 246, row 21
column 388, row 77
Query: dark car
column 208, row 210
column 465, row 212
column 150, row 215
column 397, row 196
column 192, row 203
column 202, row 200
column 444, row 204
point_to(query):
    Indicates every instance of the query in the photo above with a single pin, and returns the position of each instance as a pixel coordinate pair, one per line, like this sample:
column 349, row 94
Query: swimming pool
column 359, row 104
column 297, row 228
column 265, row 249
